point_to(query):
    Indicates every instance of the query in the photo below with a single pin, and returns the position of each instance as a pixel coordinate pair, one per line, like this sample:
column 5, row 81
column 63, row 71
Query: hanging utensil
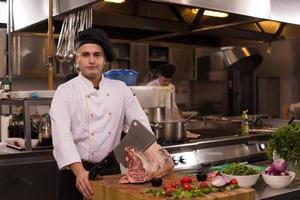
column 61, row 41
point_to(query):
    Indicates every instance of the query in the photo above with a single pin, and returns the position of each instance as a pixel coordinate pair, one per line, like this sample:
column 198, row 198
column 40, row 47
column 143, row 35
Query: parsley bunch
column 286, row 142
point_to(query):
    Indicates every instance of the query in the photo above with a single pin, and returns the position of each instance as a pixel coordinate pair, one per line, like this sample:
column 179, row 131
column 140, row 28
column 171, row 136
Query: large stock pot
column 170, row 130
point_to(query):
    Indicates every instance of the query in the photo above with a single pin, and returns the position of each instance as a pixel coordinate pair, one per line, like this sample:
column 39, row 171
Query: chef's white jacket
column 175, row 115
column 87, row 123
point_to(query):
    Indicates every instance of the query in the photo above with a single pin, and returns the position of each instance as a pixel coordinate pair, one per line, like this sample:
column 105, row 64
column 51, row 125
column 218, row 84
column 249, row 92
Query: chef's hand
column 82, row 180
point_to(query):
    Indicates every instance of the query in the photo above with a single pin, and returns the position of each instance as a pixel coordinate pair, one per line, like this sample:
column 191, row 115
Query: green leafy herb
column 286, row 142
column 180, row 193
column 155, row 192
column 239, row 170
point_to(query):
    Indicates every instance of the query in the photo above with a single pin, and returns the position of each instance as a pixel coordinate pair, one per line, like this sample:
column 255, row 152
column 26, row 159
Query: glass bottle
column 244, row 123
column 6, row 84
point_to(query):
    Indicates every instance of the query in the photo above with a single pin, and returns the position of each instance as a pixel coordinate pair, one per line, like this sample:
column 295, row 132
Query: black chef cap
column 96, row 36
column 166, row 70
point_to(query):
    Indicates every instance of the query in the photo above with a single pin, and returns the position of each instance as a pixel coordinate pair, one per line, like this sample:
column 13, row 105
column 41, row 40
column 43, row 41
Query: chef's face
column 91, row 60
column 163, row 81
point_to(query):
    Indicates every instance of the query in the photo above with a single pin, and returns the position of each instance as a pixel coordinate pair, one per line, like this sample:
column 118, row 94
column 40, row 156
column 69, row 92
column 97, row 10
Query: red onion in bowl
column 279, row 165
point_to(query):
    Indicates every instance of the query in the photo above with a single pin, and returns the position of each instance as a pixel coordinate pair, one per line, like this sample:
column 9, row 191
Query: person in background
column 165, row 73
column 88, row 114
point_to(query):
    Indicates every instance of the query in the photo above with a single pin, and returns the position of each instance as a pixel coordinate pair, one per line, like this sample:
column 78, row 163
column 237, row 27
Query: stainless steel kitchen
column 150, row 99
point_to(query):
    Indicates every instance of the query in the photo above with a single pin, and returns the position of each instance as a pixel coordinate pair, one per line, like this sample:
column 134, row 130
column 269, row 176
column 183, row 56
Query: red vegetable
column 279, row 165
column 185, row 179
column 218, row 181
column 166, row 185
column 174, row 184
column 284, row 174
column 233, row 181
column 187, row 186
column 169, row 191
column 203, row 184
column 271, row 171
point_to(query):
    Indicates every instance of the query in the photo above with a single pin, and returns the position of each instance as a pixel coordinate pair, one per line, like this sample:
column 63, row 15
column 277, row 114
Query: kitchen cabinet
column 25, row 103
column 183, row 59
column 139, row 52
column 157, row 55
column 29, row 56
column 123, row 55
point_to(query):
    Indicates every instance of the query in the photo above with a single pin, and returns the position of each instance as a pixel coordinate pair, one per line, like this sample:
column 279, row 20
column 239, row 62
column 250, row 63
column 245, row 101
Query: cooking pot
column 156, row 114
column 170, row 130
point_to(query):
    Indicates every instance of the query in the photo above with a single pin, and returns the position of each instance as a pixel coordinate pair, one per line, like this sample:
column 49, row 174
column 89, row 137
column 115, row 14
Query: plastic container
column 127, row 76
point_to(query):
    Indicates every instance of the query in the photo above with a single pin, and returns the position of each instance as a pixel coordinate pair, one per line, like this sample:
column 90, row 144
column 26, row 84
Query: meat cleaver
column 138, row 136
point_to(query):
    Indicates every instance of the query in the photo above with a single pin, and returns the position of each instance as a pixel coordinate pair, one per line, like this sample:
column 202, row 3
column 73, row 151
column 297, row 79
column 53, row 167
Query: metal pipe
column 9, row 38
column 50, row 46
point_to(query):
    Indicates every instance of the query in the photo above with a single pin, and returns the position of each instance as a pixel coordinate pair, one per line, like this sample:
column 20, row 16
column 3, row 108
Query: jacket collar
column 88, row 85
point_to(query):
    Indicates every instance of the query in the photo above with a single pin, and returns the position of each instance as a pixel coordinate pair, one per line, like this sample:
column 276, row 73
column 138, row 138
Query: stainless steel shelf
column 25, row 103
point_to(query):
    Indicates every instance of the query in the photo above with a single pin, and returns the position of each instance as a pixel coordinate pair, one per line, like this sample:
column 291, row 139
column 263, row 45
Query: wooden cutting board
column 109, row 189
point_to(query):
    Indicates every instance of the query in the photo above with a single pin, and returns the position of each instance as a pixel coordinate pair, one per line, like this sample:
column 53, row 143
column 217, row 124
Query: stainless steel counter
column 265, row 192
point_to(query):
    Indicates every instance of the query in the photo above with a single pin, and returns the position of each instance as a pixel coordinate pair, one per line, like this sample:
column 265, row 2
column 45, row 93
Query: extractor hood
column 276, row 10
column 236, row 56
column 172, row 20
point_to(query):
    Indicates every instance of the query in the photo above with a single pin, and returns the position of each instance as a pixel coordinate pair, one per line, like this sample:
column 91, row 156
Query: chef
column 88, row 114
column 165, row 73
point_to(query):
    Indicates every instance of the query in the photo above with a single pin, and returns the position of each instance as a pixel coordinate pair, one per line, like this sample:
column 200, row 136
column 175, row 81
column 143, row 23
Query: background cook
column 165, row 73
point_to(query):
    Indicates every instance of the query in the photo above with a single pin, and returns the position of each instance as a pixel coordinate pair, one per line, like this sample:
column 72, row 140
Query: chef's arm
column 64, row 148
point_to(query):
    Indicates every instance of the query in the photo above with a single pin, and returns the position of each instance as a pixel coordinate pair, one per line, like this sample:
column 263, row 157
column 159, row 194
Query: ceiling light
column 215, row 13
column 195, row 10
column 115, row 1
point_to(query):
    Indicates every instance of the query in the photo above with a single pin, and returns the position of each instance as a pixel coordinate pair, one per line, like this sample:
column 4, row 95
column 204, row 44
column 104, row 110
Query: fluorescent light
column 115, row 1
column 215, row 13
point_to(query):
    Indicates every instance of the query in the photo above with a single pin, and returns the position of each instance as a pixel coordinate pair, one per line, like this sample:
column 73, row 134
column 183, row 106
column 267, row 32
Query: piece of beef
column 155, row 162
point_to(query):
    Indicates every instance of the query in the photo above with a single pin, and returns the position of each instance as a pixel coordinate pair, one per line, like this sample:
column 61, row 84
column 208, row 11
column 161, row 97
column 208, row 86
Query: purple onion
column 271, row 171
column 279, row 165
column 284, row 174
column 218, row 181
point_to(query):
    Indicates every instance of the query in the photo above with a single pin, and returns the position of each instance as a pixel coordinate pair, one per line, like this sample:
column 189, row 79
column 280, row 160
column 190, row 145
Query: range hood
column 276, row 10
column 172, row 20
column 237, row 56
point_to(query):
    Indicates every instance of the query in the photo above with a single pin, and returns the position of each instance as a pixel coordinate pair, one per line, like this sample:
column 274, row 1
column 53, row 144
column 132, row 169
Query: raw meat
column 155, row 162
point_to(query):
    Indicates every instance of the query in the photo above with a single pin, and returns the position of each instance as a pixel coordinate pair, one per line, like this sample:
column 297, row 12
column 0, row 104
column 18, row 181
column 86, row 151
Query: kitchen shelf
column 124, row 58
column 26, row 103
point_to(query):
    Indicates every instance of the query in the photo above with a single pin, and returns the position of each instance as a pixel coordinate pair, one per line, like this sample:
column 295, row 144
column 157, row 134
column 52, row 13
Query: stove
column 193, row 155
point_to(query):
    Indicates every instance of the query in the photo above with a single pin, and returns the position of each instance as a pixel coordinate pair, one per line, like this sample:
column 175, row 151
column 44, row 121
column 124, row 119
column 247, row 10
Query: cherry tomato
column 203, row 184
column 174, row 184
column 169, row 191
column 187, row 186
column 166, row 185
column 233, row 181
column 185, row 179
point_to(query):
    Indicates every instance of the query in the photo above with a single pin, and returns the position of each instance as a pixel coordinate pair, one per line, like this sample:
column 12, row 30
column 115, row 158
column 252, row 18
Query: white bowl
column 278, row 181
column 244, row 181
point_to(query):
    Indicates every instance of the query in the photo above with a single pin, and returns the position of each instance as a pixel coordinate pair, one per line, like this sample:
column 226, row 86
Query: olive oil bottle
column 244, row 123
